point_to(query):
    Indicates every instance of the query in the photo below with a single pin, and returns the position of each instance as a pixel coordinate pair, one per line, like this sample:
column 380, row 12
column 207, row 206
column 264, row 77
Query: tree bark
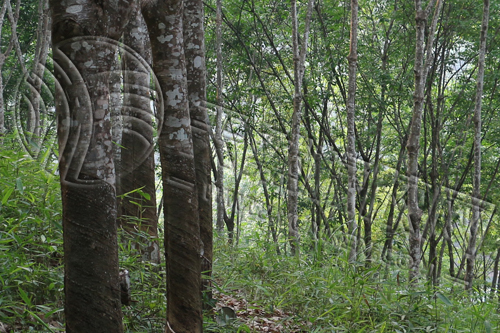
column 182, row 229
column 413, row 144
column 194, row 43
column 476, row 180
column 83, row 48
column 137, row 211
column 218, row 141
column 293, row 146
column 3, row 57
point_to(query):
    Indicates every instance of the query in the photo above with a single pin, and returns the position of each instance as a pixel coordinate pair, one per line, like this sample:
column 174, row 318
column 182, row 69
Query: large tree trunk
column 476, row 180
column 84, row 50
column 137, row 210
column 194, row 42
column 182, row 228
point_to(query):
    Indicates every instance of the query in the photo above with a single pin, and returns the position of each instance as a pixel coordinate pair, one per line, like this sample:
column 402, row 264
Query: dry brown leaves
column 257, row 318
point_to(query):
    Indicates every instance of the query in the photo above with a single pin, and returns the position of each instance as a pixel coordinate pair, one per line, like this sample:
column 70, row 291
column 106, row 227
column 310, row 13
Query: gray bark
column 413, row 144
column 476, row 180
column 351, row 136
column 293, row 145
column 219, row 143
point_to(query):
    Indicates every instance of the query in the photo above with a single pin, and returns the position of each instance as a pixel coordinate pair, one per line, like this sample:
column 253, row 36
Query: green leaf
column 19, row 185
column 145, row 195
column 24, row 296
column 6, row 196
column 444, row 299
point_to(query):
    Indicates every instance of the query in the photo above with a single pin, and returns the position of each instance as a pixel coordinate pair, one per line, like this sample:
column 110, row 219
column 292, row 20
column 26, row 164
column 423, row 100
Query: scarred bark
column 194, row 43
column 83, row 37
column 182, row 229
column 137, row 167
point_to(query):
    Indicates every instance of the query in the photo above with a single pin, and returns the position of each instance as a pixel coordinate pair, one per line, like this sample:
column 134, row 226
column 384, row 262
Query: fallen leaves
column 257, row 318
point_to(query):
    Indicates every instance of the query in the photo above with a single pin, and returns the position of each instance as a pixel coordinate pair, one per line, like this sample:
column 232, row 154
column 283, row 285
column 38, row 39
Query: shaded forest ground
column 317, row 292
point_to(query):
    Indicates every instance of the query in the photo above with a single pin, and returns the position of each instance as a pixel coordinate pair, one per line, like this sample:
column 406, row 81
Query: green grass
column 335, row 296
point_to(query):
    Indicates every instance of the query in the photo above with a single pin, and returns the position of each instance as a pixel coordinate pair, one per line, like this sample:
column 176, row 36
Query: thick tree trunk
column 476, row 180
column 194, row 43
column 83, row 50
column 182, row 228
column 137, row 211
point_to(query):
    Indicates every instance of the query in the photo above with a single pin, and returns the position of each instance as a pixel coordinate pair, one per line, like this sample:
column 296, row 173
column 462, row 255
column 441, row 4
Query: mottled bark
column 83, row 37
column 137, row 210
column 476, row 179
column 218, row 141
column 194, row 44
column 351, row 136
column 182, row 228
column 299, row 57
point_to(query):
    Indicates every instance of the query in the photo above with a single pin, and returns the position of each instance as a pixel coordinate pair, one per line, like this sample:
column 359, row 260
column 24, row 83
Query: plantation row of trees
column 368, row 124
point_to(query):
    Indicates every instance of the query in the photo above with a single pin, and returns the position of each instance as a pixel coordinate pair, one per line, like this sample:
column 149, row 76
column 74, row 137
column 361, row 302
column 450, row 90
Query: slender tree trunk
column 351, row 136
column 194, row 42
column 182, row 227
column 476, row 180
column 41, row 54
column 84, row 50
column 137, row 168
column 413, row 144
column 218, row 141
column 3, row 58
column 293, row 145
column 494, row 289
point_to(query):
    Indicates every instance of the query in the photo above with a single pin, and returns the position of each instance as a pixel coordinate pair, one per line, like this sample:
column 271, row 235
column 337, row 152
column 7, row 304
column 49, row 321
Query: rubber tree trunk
column 84, row 49
column 137, row 210
column 476, row 179
column 194, row 42
column 182, row 228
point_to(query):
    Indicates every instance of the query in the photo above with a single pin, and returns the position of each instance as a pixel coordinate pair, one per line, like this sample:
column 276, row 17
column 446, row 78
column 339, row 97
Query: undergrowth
column 333, row 295
column 320, row 289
